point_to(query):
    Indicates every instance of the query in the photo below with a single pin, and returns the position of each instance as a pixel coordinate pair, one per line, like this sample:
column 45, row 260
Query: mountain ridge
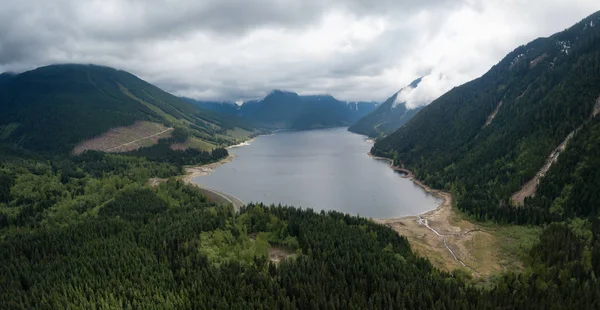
column 542, row 92
column 388, row 116
column 282, row 109
column 52, row 108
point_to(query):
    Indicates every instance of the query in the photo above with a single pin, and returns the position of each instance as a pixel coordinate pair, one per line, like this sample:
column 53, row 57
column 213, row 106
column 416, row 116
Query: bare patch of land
column 523, row 93
column 450, row 241
column 196, row 171
column 212, row 195
column 154, row 182
column 529, row 188
column 596, row 109
column 493, row 115
column 537, row 60
column 123, row 139
column 277, row 254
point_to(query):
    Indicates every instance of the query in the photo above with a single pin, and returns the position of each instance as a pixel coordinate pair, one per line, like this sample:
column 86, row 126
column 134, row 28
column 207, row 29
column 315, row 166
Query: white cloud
column 238, row 49
column 431, row 87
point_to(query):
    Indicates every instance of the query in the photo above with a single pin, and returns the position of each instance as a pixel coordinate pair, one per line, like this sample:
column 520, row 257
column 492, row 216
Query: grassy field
column 239, row 133
column 488, row 249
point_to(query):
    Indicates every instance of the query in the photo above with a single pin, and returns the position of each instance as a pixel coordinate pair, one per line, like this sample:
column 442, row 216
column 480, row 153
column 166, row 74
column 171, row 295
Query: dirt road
column 213, row 195
column 138, row 140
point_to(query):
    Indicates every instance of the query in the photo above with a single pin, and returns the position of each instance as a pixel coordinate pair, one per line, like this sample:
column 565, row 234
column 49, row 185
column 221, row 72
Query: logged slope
column 487, row 138
column 55, row 107
column 387, row 117
column 288, row 110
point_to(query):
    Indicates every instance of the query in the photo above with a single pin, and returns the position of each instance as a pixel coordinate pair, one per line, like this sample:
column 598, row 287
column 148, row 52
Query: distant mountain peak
column 281, row 92
column 390, row 115
column 401, row 96
column 416, row 82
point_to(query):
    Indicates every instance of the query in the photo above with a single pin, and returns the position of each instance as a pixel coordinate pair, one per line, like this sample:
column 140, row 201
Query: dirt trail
column 138, row 140
column 125, row 138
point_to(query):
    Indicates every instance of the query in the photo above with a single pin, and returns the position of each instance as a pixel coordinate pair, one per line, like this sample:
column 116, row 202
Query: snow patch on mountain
column 516, row 60
column 564, row 46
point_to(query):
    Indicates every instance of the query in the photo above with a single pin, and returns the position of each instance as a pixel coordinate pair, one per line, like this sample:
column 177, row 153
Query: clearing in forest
column 124, row 139
column 451, row 241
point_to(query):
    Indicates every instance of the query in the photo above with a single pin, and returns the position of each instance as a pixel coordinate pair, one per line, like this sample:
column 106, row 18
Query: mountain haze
column 222, row 107
column 288, row 110
column 387, row 117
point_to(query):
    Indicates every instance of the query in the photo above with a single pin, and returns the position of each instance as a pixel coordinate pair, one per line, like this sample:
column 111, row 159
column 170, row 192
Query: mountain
column 362, row 108
column 57, row 107
column 288, row 110
column 491, row 140
column 222, row 107
column 5, row 77
column 387, row 117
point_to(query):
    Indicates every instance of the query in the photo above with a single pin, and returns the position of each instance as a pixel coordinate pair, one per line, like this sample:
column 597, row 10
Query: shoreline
column 196, row 171
column 444, row 196
column 247, row 142
column 192, row 172
column 437, row 234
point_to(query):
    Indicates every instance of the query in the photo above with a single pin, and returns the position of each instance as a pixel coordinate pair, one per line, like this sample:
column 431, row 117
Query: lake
column 325, row 169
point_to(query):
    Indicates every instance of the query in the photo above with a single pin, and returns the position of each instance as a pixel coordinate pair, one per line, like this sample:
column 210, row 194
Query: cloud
column 239, row 49
column 431, row 87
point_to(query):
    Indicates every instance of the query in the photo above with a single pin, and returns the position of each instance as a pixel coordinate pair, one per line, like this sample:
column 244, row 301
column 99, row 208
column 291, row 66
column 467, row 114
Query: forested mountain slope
column 5, row 77
column 488, row 137
column 387, row 117
column 55, row 107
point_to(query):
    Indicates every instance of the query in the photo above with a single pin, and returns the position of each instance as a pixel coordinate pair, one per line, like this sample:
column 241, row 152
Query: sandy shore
column 445, row 196
column 192, row 172
column 446, row 239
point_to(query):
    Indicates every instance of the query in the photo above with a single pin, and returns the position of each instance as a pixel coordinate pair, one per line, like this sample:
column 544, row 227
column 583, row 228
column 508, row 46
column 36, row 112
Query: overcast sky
column 241, row 49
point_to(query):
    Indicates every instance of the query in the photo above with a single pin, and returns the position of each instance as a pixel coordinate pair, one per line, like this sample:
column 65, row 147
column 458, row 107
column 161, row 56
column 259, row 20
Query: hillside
column 54, row 108
column 487, row 138
column 225, row 107
column 5, row 77
column 288, row 110
column 387, row 117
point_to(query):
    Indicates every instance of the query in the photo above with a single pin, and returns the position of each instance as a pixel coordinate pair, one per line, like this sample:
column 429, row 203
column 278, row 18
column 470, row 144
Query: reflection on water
column 321, row 169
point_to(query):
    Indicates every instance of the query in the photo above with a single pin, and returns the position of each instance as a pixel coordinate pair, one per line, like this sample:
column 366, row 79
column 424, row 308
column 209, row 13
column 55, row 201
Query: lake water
column 321, row 169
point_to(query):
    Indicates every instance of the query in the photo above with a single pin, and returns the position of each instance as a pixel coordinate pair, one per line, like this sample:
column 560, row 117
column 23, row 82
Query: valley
column 223, row 191
column 303, row 168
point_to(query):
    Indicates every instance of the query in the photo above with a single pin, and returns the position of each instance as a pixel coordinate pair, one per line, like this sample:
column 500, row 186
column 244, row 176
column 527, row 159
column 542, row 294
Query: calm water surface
column 320, row 169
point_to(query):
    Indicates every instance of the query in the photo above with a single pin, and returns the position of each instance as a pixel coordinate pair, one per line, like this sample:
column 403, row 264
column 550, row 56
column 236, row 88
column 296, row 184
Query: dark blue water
column 321, row 169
